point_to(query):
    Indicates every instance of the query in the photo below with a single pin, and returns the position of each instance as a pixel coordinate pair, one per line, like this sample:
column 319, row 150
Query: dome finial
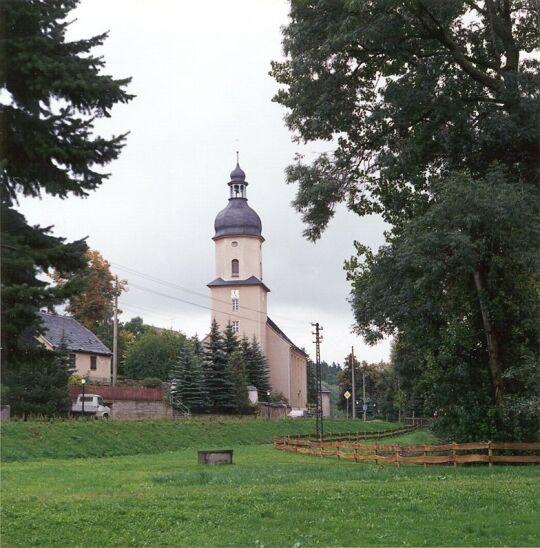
column 237, row 174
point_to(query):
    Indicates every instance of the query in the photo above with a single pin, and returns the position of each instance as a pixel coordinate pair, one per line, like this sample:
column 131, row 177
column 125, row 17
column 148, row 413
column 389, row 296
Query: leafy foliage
column 423, row 285
column 433, row 108
column 154, row 354
column 410, row 91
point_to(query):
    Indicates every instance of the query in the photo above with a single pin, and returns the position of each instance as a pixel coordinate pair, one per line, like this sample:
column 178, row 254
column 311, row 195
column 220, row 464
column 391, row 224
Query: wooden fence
column 449, row 453
column 356, row 436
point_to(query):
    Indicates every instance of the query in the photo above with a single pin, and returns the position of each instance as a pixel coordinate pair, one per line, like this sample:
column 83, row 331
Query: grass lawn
column 268, row 497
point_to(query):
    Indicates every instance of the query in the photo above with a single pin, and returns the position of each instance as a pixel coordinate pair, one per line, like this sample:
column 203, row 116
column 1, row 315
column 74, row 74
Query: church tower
column 238, row 292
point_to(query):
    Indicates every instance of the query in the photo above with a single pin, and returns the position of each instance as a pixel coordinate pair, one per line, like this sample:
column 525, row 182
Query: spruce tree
column 237, row 368
column 178, row 374
column 188, row 384
column 195, row 394
column 220, row 385
column 249, row 361
column 230, row 340
column 52, row 92
column 259, row 369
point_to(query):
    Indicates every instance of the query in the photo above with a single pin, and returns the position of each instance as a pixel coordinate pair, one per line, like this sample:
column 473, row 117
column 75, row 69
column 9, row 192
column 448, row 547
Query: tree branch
column 438, row 32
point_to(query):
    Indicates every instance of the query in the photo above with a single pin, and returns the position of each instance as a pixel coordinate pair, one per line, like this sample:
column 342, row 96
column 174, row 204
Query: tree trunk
column 491, row 339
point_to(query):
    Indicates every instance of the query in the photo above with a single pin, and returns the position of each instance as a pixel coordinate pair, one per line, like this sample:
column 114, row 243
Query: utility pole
column 364, row 405
column 353, row 385
column 318, row 379
column 115, row 335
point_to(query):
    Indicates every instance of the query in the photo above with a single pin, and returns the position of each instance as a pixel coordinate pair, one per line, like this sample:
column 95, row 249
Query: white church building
column 239, row 294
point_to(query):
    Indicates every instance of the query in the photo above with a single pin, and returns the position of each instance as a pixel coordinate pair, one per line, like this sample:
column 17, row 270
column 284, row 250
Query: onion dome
column 237, row 219
column 237, row 174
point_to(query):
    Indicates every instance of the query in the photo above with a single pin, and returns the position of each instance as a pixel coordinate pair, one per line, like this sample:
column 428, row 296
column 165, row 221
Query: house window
column 235, row 305
column 235, row 268
column 93, row 363
column 235, row 327
column 72, row 361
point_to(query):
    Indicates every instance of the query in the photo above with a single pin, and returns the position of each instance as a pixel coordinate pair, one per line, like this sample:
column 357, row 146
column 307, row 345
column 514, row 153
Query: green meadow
column 266, row 498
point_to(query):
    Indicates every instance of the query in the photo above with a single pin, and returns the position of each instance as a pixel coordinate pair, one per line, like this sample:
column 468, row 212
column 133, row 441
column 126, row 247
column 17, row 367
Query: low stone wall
column 139, row 409
column 273, row 410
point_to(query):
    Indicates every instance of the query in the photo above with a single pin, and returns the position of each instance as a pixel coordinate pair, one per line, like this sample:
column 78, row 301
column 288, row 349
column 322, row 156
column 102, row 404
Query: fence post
column 490, row 454
column 396, row 448
column 454, row 453
column 376, row 453
column 425, row 455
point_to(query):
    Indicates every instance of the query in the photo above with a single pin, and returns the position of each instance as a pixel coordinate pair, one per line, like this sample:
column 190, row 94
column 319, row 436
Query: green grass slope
column 93, row 438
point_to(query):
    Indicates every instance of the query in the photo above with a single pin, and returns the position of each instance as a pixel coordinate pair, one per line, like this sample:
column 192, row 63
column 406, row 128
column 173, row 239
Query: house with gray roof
column 91, row 358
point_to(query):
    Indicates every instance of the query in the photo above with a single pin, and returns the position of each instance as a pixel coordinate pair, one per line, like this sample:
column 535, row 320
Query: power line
column 142, row 288
column 198, row 294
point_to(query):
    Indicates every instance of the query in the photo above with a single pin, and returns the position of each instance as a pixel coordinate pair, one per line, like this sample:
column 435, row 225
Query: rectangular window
column 72, row 361
column 93, row 363
column 235, row 305
column 236, row 327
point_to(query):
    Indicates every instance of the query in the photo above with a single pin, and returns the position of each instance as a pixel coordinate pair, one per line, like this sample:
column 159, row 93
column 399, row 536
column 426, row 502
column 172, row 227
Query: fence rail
column 350, row 436
column 448, row 453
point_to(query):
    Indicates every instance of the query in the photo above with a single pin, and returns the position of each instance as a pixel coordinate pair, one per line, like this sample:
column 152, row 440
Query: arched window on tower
column 235, row 268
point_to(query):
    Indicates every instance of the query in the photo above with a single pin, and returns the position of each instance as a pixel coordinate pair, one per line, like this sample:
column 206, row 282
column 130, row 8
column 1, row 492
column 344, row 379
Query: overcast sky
column 200, row 73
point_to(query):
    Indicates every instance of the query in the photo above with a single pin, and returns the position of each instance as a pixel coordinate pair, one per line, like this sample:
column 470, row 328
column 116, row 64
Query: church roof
column 68, row 331
column 252, row 280
column 237, row 219
column 274, row 326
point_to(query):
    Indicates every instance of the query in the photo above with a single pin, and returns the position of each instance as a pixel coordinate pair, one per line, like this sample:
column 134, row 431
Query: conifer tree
column 220, row 385
column 230, row 340
column 178, row 374
column 237, row 368
column 52, row 90
column 188, row 385
column 195, row 394
column 256, row 366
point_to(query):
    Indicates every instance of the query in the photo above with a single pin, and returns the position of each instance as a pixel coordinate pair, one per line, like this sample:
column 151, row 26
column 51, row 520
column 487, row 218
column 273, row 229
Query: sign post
column 347, row 395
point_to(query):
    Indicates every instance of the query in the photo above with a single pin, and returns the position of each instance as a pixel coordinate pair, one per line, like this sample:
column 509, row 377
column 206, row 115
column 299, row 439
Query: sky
column 200, row 76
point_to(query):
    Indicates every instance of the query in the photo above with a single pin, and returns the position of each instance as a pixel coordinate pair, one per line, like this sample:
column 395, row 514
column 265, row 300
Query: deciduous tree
column 154, row 354
column 408, row 90
column 474, row 344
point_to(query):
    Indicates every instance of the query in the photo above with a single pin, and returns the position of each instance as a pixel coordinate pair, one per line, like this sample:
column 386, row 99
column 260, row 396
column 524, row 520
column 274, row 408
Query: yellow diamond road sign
column 347, row 395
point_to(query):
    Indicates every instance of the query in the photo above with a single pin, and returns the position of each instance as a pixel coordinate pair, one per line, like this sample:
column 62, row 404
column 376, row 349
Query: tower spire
column 238, row 181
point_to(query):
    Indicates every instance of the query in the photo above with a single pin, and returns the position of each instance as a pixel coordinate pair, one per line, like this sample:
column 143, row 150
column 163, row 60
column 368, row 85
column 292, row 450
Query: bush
column 151, row 382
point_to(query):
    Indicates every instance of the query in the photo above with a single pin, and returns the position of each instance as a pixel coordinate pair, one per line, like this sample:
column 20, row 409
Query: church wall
column 248, row 252
column 278, row 354
column 298, row 369
column 251, row 315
